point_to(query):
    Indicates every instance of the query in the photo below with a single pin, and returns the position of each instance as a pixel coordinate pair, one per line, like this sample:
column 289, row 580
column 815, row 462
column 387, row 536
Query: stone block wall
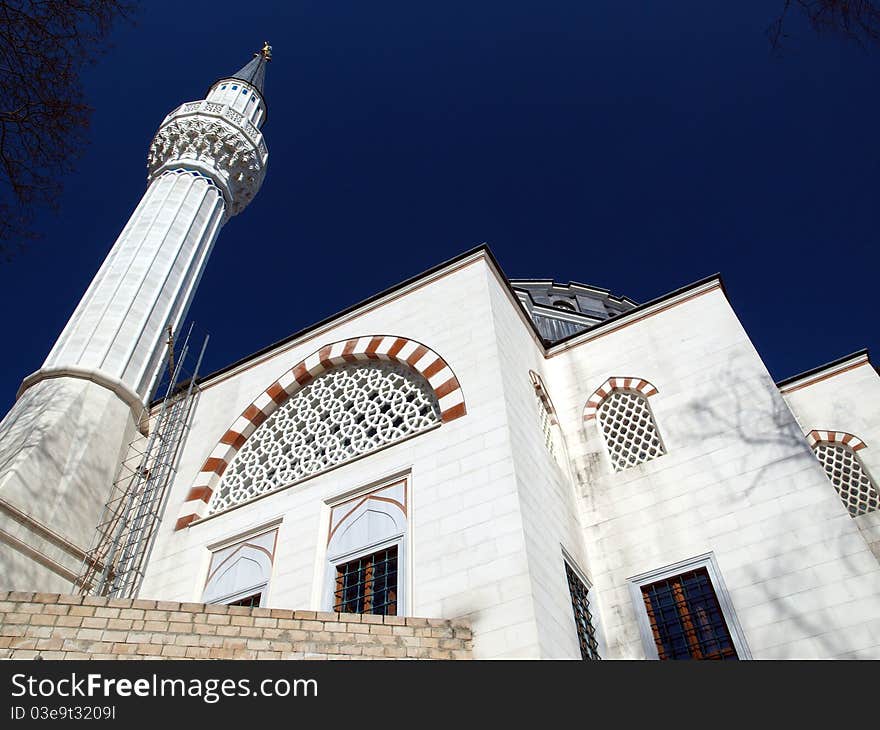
column 58, row 626
column 469, row 557
column 738, row 480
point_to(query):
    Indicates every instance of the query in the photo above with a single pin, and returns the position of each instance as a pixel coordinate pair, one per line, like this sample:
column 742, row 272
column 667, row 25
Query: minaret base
column 60, row 448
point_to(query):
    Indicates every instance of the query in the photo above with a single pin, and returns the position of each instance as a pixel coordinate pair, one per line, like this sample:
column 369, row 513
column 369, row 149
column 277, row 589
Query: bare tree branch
column 854, row 20
column 44, row 45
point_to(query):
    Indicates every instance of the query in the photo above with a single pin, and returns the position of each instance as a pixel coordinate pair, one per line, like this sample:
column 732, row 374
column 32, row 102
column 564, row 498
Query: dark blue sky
column 637, row 147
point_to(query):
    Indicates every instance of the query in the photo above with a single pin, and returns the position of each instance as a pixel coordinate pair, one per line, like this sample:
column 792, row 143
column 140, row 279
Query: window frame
column 240, row 541
column 706, row 561
column 324, row 587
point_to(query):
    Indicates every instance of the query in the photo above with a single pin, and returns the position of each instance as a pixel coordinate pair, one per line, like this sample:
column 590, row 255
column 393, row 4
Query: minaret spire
column 244, row 90
column 61, row 442
column 254, row 71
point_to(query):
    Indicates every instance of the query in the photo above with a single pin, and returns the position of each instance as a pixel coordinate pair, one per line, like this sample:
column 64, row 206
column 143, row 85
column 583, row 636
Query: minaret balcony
column 223, row 111
column 217, row 141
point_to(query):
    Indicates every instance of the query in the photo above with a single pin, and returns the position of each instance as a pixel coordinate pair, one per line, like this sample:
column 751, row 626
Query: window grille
column 631, row 434
column 368, row 584
column 342, row 414
column 848, row 475
column 252, row 601
column 583, row 618
column 686, row 618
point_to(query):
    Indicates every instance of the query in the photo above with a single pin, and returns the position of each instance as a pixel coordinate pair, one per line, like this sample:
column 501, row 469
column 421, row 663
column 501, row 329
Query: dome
column 562, row 310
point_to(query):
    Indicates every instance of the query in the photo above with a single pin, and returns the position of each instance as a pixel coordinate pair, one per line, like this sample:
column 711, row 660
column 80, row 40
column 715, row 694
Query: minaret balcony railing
column 220, row 111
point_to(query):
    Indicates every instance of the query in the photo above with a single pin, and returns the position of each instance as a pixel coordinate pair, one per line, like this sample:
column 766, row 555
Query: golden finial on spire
column 266, row 51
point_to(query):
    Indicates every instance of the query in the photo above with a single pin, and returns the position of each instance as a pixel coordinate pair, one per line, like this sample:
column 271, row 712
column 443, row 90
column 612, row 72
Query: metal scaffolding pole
column 127, row 531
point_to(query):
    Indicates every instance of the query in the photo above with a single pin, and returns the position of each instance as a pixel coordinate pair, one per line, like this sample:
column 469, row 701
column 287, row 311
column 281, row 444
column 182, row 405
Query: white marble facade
column 485, row 508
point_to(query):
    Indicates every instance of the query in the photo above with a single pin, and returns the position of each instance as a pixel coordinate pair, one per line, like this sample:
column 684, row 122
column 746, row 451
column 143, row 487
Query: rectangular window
column 684, row 612
column 368, row 584
column 686, row 618
column 583, row 619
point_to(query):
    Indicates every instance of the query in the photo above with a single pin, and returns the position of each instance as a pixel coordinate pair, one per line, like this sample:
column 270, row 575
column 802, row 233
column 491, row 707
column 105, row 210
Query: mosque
column 577, row 474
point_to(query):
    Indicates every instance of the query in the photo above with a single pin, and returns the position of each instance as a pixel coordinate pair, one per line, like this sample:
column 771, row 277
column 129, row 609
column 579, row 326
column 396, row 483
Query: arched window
column 345, row 412
column 626, row 422
column 546, row 415
column 239, row 574
column 836, row 452
column 366, row 553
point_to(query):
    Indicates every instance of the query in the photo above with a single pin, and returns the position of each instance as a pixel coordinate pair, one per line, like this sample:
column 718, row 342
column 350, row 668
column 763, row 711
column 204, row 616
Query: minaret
column 61, row 443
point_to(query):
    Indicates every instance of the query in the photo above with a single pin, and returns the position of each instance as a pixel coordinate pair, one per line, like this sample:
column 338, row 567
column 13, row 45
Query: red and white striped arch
column 543, row 396
column 816, row 437
column 637, row 384
column 419, row 357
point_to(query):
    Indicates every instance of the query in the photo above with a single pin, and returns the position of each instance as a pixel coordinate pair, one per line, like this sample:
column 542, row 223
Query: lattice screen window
column 546, row 428
column 631, row 434
column 342, row 414
column 546, row 413
column 847, row 473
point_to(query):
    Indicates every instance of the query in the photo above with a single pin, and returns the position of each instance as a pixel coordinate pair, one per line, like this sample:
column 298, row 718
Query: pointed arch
column 638, row 384
column 389, row 348
column 543, row 396
column 246, row 569
column 379, row 519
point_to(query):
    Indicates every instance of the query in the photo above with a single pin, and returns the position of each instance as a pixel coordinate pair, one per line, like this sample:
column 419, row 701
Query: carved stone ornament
column 207, row 135
column 343, row 413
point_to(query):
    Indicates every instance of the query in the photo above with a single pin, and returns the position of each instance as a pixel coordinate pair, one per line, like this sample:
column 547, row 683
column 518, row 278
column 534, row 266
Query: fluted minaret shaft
column 145, row 283
column 206, row 163
column 61, row 443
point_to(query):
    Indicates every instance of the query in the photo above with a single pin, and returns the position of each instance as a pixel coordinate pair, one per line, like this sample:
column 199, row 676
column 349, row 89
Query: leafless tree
column 854, row 20
column 44, row 45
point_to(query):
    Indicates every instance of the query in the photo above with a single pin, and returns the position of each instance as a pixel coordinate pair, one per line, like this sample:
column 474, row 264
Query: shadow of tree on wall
column 760, row 417
column 768, row 452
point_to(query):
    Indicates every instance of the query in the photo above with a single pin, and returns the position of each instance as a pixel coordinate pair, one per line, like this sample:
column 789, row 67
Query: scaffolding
column 129, row 523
